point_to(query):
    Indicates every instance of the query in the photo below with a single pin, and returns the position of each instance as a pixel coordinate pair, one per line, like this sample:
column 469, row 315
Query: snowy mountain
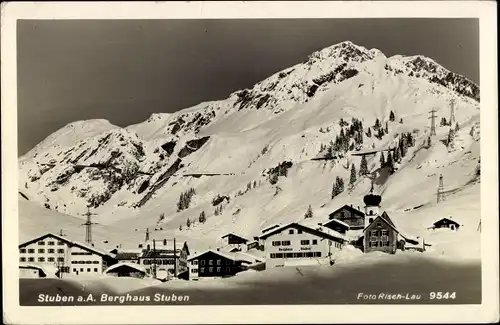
column 249, row 157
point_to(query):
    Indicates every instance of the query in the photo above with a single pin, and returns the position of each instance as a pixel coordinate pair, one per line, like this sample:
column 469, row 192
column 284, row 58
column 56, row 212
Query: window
column 50, row 243
column 299, row 231
column 51, row 250
column 41, row 243
column 81, row 270
column 195, row 262
column 290, row 231
column 379, row 224
column 22, row 250
column 370, row 220
column 315, row 242
column 194, row 270
column 95, row 262
column 22, row 259
column 31, row 250
column 289, row 255
column 228, row 270
column 74, row 262
column 210, row 262
column 88, row 262
column 385, row 244
column 218, row 262
column 60, row 251
column 31, row 259
column 41, row 259
column 304, row 242
column 50, row 259
column 74, row 270
column 285, row 243
column 202, row 262
column 273, row 255
column 370, row 213
column 202, row 270
column 60, row 259
column 41, row 251
column 210, row 269
column 60, row 242
column 279, row 255
column 95, row 270
column 309, row 254
column 276, row 243
column 218, row 269
column 88, row 270
column 298, row 255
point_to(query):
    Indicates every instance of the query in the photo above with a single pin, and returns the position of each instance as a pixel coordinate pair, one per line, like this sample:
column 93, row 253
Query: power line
column 88, row 226
column 440, row 191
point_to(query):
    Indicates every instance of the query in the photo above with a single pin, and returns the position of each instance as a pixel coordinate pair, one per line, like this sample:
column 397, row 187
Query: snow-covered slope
column 227, row 148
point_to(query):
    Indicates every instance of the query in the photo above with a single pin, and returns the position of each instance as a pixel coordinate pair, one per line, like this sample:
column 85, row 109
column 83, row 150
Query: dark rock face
column 160, row 182
column 192, row 146
column 169, row 147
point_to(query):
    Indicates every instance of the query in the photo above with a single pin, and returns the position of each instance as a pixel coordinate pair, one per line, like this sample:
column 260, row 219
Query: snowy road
column 418, row 276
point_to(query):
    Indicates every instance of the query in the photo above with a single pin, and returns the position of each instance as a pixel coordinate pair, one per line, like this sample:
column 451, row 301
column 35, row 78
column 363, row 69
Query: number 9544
column 442, row 295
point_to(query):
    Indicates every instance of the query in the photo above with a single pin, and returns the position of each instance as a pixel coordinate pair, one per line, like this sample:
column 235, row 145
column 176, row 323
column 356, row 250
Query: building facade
column 446, row 223
column 163, row 258
column 337, row 225
column 296, row 244
column 380, row 236
column 214, row 264
column 354, row 218
column 67, row 256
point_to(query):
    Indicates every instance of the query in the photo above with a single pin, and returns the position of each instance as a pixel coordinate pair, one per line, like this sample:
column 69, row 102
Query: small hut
column 446, row 223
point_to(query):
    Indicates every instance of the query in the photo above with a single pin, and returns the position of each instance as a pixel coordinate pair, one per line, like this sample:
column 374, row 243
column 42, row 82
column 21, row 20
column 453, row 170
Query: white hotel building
column 296, row 244
column 67, row 256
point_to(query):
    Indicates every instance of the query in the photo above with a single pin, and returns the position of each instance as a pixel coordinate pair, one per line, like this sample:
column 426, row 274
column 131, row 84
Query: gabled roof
column 66, row 240
column 235, row 235
column 303, row 228
column 158, row 253
column 336, row 221
column 388, row 219
column 127, row 264
column 390, row 224
column 230, row 256
column 348, row 207
column 270, row 228
column 448, row 219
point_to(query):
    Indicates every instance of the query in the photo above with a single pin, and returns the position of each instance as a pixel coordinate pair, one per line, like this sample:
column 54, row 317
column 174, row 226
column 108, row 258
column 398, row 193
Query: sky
column 125, row 70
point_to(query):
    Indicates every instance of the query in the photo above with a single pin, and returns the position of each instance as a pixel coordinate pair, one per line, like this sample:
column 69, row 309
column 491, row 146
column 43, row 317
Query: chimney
column 164, row 242
column 149, row 247
column 140, row 245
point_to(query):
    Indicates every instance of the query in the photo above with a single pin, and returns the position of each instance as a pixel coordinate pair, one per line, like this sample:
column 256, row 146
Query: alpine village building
column 212, row 263
column 161, row 256
column 67, row 256
column 354, row 218
column 296, row 244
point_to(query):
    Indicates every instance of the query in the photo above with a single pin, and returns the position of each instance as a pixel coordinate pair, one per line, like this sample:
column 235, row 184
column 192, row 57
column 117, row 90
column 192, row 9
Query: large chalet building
column 297, row 244
column 349, row 215
column 67, row 256
column 161, row 255
column 213, row 263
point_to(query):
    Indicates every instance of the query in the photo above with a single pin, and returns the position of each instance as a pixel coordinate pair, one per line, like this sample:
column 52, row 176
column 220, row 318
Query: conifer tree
column 390, row 162
column 352, row 179
column 339, row 182
column 471, row 132
column 216, row 212
column 382, row 160
column 457, row 127
column 451, row 136
column 254, row 184
column 386, row 127
column 401, row 121
column 202, row 218
column 188, row 222
column 377, row 124
column 334, row 189
column 391, row 116
column 429, row 142
column 309, row 212
column 363, row 168
column 180, row 227
column 369, row 133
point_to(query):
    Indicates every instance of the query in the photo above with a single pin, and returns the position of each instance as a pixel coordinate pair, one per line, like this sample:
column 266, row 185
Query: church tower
column 372, row 206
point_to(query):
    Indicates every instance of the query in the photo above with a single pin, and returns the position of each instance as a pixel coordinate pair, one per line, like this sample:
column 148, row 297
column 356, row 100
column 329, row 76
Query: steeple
column 372, row 205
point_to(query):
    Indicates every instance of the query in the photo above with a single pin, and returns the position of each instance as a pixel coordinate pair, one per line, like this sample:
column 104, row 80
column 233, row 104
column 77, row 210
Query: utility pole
column 452, row 111
column 88, row 226
column 433, row 121
column 175, row 259
column 440, row 191
column 154, row 258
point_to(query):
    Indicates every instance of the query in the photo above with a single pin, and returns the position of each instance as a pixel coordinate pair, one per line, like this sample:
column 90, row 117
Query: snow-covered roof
column 336, row 221
column 231, row 256
column 48, row 269
column 233, row 234
column 128, row 264
column 66, row 240
column 332, row 235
